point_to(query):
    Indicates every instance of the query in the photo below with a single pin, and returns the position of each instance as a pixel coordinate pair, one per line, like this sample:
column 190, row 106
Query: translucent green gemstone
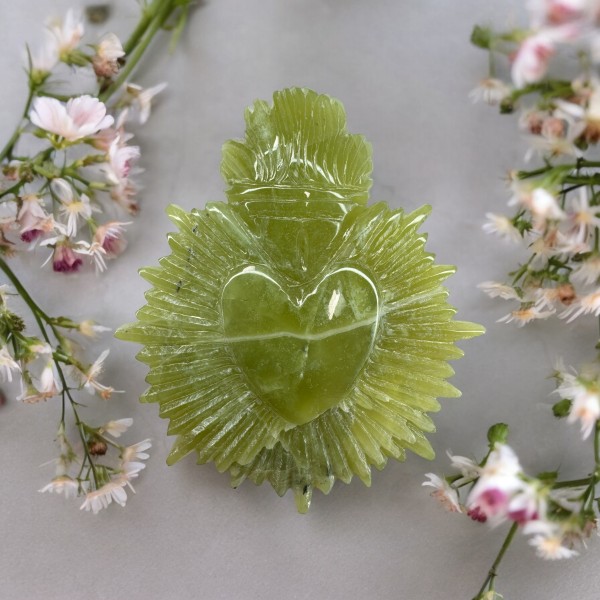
column 295, row 334
column 301, row 347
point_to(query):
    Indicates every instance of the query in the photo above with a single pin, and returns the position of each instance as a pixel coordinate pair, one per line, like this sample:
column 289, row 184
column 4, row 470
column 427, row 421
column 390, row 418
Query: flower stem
column 493, row 572
column 158, row 20
column 7, row 150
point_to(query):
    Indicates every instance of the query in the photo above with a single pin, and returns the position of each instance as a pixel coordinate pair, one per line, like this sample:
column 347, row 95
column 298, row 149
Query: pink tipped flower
column 79, row 118
column 531, row 60
column 123, row 194
column 64, row 258
column 111, row 239
column 108, row 53
column 30, row 216
column 120, row 161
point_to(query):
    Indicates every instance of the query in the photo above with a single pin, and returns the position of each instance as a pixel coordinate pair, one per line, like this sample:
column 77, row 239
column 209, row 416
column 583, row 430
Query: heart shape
column 301, row 349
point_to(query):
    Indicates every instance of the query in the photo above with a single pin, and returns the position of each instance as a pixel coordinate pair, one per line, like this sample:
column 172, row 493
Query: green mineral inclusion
column 297, row 334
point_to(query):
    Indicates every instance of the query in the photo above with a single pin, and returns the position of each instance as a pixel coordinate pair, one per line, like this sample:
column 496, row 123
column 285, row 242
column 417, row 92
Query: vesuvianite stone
column 302, row 347
column 296, row 334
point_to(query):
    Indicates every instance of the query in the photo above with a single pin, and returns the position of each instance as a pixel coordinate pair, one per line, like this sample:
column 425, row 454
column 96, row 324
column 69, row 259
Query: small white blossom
column 104, row 496
column 142, row 98
column 502, row 226
column 67, row 33
column 8, row 365
column 446, row 495
column 46, row 57
column 585, row 397
column 548, row 540
column 523, row 316
column 118, row 427
column 495, row 289
column 108, row 52
column 120, row 161
column 89, row 378
column 491, row 91
column 587, row 272
column 584, row 305
column 62, row 485
column 468, row 468
column 90, row 329
column 82, row 116
column 75, row 209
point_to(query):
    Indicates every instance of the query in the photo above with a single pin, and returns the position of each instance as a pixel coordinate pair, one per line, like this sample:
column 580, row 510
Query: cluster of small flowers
column 82, row 159
column 557, row 206
column 499, row 491
column 46, row 372
column 101, row 484
column 36, row 362
column 580, row 395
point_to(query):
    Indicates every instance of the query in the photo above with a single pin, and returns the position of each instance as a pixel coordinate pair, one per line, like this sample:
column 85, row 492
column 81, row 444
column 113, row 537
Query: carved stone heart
column 300, row 349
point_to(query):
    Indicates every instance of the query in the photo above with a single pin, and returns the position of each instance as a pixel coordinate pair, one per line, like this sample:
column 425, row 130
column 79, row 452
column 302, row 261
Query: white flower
column 103, row 496
column 544, row 205
column 95, row 251
column 80, row 117
column 469, row 468
column 67, row 33
column 501, row 461
column 46, row 57
column 90, row 329
column 47, row 381
column 108, row 52
column 501, row 226
column 491, row 91
column 142, row 98
column 137, row 451
column 588, row 271
column 582, row 306
column 7, row 365
column 531, row 61
column 442, row 492
column 118, row 427
column 62, row 485
column 110, row 237
column 548, row 297
column 523, row 316
column 89, row 378
column 585, row 396
column 120, row 161
column 548, row 540
column 583, row 216
column 498, row 290
column 74, row 210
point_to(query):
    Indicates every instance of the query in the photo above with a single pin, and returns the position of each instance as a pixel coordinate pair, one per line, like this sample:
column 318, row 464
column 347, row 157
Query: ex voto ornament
column 296, row 334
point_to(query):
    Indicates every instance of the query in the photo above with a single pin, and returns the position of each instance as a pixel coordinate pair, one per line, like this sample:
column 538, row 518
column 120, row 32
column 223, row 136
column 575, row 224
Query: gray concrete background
column 403, row 70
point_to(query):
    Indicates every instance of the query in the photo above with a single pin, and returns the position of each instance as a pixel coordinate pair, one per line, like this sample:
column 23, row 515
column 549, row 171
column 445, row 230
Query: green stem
column 40, row 316
column 6, row 151
column 493, row 572
column 166, row 8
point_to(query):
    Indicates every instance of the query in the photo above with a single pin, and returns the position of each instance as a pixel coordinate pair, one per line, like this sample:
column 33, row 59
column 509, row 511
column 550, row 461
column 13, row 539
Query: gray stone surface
column 403, row 70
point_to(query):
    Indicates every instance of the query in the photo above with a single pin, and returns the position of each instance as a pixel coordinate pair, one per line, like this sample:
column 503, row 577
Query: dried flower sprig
column 557, row 218
column 67, row 162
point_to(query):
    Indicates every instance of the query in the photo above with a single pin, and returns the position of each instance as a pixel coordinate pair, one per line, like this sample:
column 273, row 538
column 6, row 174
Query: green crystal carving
column 295, row 334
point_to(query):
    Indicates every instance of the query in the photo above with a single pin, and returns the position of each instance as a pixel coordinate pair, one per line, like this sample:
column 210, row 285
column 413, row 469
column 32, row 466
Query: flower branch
column 66, row 164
